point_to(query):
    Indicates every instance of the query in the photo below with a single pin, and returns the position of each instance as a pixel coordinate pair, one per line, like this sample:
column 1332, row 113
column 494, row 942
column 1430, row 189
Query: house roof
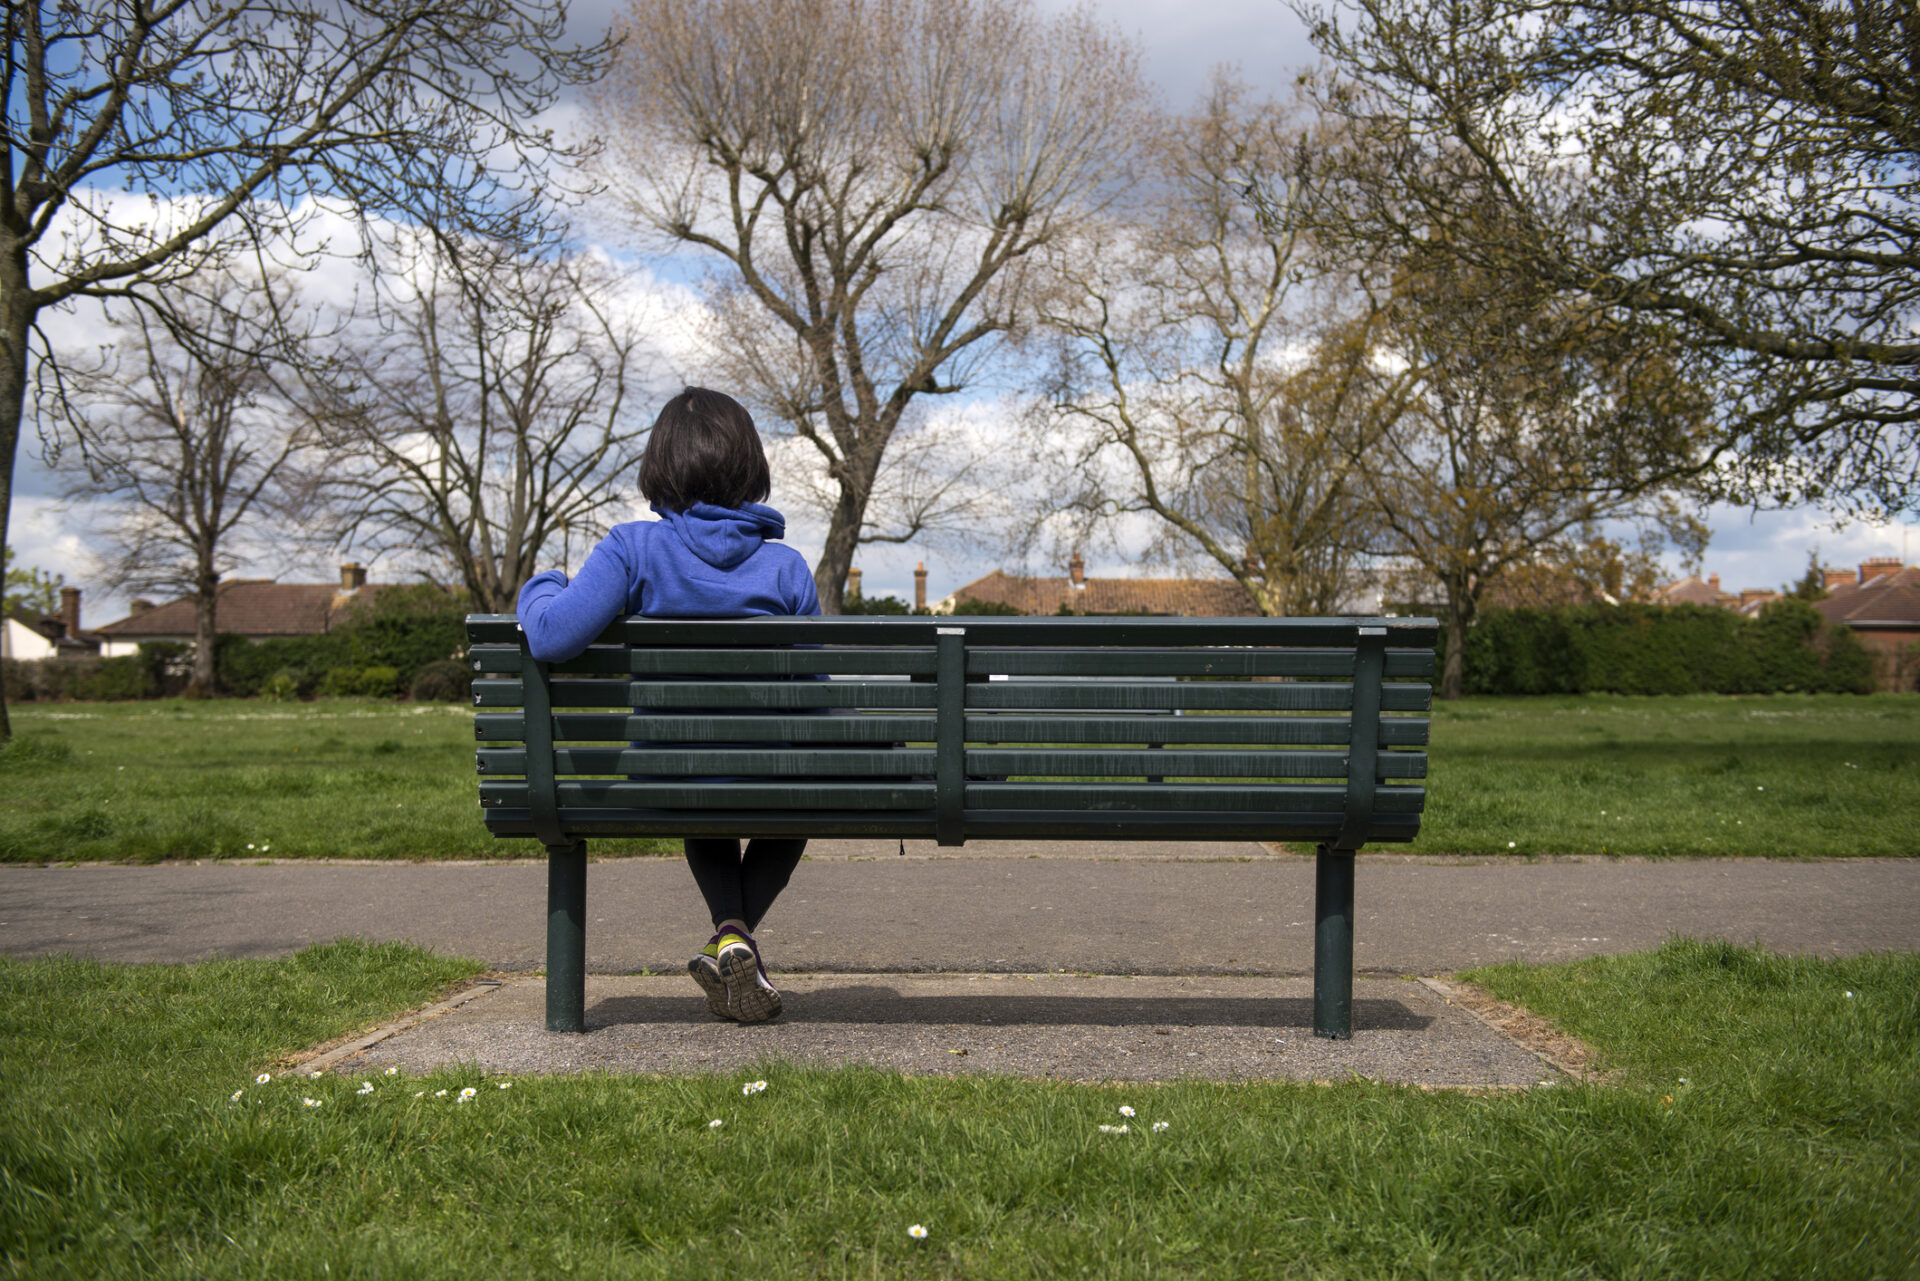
column 53, row 629
column 1887, row 600
column 254, row 607
column 1692, row 590
column 1181, row 597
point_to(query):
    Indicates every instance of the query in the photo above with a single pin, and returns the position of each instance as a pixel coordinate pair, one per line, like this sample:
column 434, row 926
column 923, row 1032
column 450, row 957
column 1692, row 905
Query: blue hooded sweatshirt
column 704, row 562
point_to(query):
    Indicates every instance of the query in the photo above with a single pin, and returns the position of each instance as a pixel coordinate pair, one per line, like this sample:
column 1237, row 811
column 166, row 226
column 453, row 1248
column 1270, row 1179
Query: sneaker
column 705, row 968
column 751, row 996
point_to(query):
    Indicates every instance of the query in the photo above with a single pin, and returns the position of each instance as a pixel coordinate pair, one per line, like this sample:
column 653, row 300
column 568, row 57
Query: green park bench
column 1274, row 729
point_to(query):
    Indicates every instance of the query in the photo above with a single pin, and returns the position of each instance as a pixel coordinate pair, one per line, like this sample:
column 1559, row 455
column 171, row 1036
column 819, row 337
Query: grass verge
column 1769, row 1126
column 1780, row 776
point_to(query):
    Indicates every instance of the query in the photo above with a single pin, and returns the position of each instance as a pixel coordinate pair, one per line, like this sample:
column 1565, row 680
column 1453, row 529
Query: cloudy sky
column 1183, row 42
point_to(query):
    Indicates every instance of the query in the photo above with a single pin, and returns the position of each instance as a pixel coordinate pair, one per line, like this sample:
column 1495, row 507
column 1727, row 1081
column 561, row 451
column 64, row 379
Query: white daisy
column 753, row 1087
column 1160, row 1125
column 235, row 1096
column 392, row 1071
column 715, row 1124
column 1125, row 1110
column 262, row 1079
column 366, row 1087
column 310, row 1103
column 917, row 1232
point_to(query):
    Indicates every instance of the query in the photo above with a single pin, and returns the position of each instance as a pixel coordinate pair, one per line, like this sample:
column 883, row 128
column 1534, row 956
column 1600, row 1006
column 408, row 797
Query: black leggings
column 741, row 887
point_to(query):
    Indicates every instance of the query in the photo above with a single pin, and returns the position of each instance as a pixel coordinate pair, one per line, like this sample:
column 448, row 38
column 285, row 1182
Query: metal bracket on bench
column 950, row 735
column 1363, row 737
column 536, row 704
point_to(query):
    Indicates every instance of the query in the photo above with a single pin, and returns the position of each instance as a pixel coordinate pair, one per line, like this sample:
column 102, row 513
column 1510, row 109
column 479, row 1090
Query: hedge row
column 1659, row 649
column 406, row 641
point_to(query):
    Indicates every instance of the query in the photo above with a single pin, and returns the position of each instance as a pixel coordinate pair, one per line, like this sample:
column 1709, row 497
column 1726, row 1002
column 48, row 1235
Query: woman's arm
column 562, row 618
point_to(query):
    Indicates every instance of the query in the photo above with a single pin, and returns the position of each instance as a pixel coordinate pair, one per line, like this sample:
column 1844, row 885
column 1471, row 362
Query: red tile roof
column 1887, row 600
column 252, row 607
column 1181, row 597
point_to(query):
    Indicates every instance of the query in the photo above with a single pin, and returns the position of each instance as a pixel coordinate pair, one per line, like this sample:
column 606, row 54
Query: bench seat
column 952, row 729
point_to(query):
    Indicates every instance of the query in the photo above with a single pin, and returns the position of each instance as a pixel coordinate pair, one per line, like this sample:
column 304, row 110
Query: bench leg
column 567, row 937
column 1333, row 943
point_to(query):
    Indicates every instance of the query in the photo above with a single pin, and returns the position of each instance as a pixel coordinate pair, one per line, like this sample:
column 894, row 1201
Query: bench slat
column 1186, row 696
column 772, row 695
column 1244, row 663
column 1271, row 731
column 621, row 661
column 1261, row 825
column 1403, row 633
column 797, row 794
column 865, row 727
column 1184, row 764
column 779, row 762
column 499, row 762
column 1183, row 797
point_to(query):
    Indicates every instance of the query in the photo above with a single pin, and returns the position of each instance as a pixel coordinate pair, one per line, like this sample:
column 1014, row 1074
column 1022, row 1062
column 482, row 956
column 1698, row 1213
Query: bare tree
column 875, row 177
column 1212, row 373
column 144, row 141
column 483, row 423
column 186, row 440
column 1742, row 177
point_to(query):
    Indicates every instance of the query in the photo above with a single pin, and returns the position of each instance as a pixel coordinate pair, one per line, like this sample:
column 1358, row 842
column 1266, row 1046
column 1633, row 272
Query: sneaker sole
column 748, row 1000
column 707, row 975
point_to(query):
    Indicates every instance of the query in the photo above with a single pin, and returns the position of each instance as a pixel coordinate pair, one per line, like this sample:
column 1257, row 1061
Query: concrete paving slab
column 1067, row 1027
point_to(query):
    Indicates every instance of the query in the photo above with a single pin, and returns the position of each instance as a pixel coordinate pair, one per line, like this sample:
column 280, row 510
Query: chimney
column 70, row 609
column 853, row 583
column 1713, row 581
column 352, row 577
column 920, row 585
column 1832, row 578
column 1879, row 565
column 1077, row 571
column 139, row 607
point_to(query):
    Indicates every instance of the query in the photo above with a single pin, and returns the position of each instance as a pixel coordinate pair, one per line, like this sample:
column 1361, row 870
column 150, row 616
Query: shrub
column 891, row 605
column 989, row 608
column 361, row 682
column 282, row 687
column 1655, row 649
column 444, row 681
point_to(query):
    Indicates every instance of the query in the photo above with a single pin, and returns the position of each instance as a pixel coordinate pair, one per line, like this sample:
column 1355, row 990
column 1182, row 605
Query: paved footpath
column 1007, row 907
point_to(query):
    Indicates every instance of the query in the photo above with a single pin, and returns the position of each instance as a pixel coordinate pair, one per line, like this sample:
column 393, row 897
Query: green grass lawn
column 1781, row 776
column 1766, row 1122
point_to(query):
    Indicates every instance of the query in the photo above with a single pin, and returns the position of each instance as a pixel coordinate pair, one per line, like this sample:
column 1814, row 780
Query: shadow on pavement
column 874, row 1004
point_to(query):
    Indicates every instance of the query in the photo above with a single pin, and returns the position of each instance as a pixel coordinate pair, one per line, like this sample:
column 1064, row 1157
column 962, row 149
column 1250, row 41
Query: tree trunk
column 205, row 636
column 836, row 558
column 1459, row 614
column 16, row 323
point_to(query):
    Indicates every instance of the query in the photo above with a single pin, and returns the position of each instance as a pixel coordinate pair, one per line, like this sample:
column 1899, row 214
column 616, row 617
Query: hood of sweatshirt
column 725, row 536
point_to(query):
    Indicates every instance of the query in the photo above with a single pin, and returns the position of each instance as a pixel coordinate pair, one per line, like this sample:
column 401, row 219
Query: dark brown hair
column 704, row 449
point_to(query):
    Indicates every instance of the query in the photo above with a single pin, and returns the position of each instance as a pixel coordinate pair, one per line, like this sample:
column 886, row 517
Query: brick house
column 1880, row 604
column 256, row 608
column 1078, row 594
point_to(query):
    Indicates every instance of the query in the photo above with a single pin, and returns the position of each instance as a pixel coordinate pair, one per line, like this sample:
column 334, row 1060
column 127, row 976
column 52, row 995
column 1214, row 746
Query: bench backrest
column 981, row 727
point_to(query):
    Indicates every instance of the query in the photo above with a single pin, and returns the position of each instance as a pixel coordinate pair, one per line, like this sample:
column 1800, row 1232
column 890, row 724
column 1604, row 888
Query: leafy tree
column 30, row 590
column 1813, row 584
column 1533, row 421
column 873, row 180
column 143, row 142
column 1736, row 183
